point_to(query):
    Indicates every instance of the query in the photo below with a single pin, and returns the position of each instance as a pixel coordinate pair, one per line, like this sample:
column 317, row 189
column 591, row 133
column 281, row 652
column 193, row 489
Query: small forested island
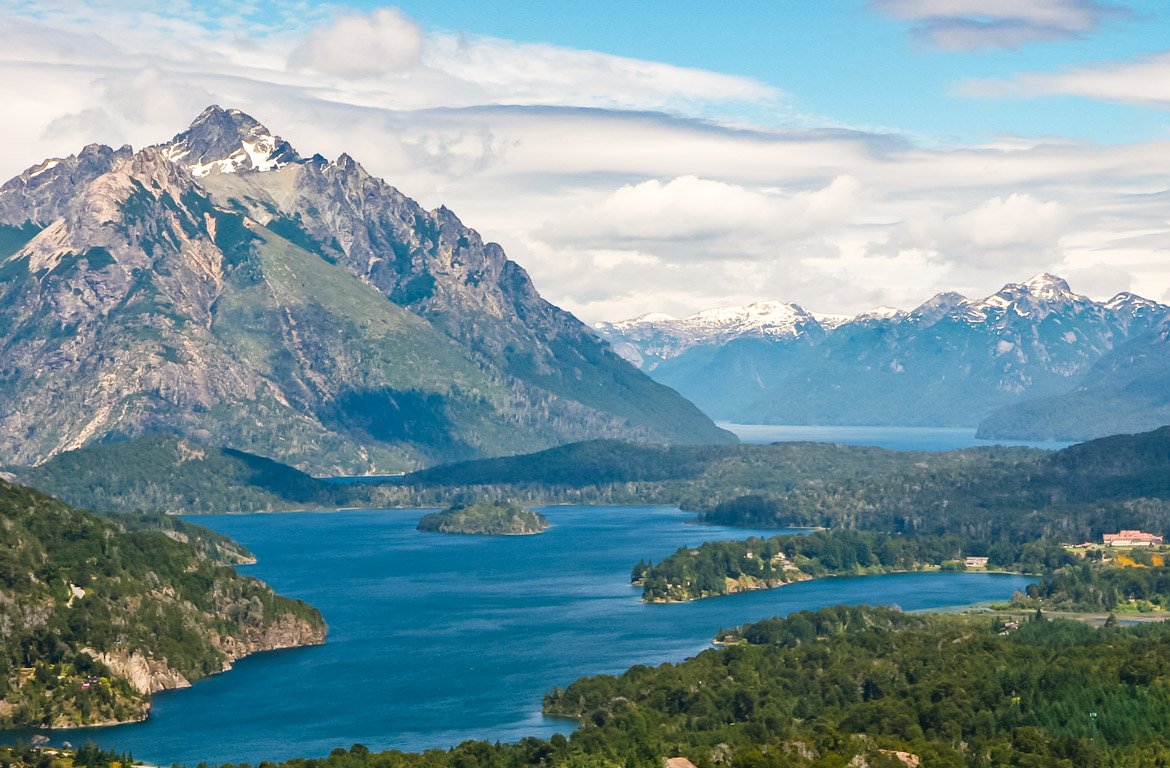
column 485, row 518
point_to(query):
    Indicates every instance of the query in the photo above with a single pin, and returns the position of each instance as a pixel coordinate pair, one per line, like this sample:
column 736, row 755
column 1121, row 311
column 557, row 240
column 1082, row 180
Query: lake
column 894, row 438
column 434, row 639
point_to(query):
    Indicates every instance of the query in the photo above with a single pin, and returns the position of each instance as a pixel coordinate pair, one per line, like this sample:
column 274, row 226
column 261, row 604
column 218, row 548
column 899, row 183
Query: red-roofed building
column 1131, row 539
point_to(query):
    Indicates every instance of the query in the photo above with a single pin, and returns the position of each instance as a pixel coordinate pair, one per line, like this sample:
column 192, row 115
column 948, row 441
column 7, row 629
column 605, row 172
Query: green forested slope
column 98, row 615
column 164, row 473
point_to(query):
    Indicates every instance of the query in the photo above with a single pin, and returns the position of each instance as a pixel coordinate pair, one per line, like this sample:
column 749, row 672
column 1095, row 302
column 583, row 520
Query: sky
column 672, row 155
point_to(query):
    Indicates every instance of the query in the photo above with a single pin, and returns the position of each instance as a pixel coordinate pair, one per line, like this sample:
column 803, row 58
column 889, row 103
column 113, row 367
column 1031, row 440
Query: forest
column 721, row 567
column 485, row 518
column 988, row 494
column 858, row 686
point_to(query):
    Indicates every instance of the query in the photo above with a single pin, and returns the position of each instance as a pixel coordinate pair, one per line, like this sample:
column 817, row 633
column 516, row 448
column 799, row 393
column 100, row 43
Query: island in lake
column 485, row 519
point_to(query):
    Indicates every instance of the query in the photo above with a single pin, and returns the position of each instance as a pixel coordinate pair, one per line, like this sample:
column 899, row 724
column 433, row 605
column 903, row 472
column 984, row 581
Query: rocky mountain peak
column 228, row 141
column 1132, row 303
column 1037, row 298
column 938, row 307
column 43, row 192
column 1048, row 286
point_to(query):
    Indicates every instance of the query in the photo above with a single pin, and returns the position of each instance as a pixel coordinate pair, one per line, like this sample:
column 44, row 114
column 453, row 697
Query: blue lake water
column 434, row 639
column 894, row 438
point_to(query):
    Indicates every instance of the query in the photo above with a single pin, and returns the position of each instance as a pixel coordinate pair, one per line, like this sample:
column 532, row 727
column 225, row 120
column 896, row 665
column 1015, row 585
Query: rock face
column 1126, row 391
column 222, row 287
column 950, row 362
column 148, row 675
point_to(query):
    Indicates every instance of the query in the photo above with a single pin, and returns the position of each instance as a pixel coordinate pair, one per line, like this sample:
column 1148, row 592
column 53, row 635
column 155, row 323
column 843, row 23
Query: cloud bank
column 622, row 185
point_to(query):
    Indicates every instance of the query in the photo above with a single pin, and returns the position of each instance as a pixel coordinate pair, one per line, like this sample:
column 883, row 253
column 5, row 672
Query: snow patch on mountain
column 652, row 338
column 228, row 141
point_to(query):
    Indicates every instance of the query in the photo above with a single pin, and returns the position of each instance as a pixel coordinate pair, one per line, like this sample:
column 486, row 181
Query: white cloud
column 528, row 73
column 362, row 45
column 707, row 220
column 965, row 25
column 1144, row 82
column 613, row 181
column 1017, row 221
column 1101, row 279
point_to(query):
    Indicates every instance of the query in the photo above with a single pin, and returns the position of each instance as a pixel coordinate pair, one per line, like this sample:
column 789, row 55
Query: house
column 678, row 762
column 975, row 562
column 1126, row 538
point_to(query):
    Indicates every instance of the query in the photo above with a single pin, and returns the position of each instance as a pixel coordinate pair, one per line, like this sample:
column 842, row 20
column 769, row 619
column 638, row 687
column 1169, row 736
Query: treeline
column 990, row 494
column 818, row 687
column 722, row 567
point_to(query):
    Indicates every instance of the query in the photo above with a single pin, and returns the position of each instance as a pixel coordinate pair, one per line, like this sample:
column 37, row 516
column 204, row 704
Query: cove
column 435, row 639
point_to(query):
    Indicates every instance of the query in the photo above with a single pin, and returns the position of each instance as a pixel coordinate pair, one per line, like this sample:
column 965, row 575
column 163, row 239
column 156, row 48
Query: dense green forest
column 485, row 518
column 988, row 494
column 852, row 686
column 86, row 600
column 1091, row 586
column 723, row 567
column 164, row 473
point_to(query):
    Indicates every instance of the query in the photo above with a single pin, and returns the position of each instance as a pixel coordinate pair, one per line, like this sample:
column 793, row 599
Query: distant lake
column 434, row 639
column 894, row 438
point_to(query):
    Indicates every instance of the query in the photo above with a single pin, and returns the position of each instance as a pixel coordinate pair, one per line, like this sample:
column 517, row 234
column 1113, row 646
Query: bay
column 435, row 639
column 893, row 438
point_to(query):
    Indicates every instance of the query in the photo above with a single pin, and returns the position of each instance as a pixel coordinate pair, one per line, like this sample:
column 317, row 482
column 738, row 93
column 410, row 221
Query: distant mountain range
column 222, row 287
column 1057, row 363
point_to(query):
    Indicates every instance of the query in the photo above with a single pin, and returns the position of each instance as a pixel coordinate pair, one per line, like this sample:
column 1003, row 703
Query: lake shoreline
column 745, row 589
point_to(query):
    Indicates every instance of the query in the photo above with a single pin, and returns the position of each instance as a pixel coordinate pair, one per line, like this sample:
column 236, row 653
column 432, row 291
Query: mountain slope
column 98, row 617
column 950, row 362
column 1127, row 391
column 221, row 287
column 163, row 473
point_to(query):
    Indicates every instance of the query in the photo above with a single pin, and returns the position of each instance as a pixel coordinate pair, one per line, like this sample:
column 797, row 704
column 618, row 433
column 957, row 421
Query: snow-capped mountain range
column 950, row 361
column 650, row 339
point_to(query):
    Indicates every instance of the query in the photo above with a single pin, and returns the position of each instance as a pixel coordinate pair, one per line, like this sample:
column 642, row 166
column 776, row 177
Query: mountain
column 98, row 614
column 1127, row 390
column 222, row 287
column 651, row 339
column 950, row 362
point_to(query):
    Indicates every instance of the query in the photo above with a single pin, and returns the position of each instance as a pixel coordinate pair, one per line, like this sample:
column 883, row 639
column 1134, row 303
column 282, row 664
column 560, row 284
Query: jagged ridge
column 223, row 287
column 950, row 361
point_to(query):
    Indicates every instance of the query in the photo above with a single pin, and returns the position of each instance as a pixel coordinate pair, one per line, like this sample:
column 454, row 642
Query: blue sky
column 842, row 60
column 673, row 156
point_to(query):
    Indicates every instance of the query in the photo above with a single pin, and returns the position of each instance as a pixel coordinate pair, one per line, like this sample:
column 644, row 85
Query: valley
column 497, row 384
